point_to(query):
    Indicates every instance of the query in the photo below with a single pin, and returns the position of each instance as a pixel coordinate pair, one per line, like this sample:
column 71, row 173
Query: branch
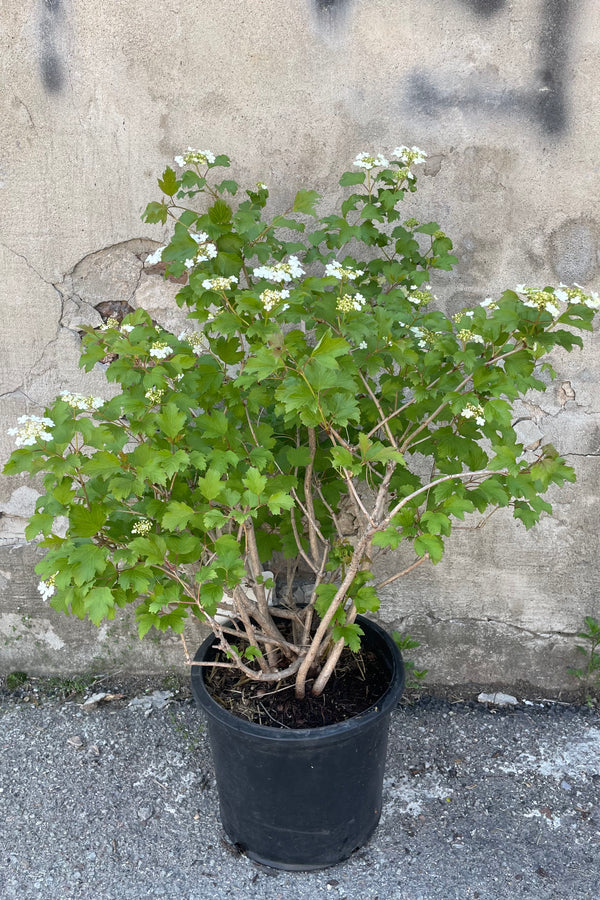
column 387, row 581
column 431, row 484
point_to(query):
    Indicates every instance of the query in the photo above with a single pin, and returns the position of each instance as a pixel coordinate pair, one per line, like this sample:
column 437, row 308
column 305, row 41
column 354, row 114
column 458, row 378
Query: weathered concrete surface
column 504, row 98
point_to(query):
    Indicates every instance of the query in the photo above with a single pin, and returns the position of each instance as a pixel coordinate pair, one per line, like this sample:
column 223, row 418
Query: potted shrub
column 316, row 385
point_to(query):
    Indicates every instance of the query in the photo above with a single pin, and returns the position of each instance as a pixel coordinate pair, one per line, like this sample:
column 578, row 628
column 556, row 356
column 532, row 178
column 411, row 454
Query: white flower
column 154, row 394
column 351, row 303
column 420, row 298
column 127, row 329
column 154, row 258
column 283, row 271
column 409, row 156
column 33, row 428
column 78, row 401
column 365, row 161
column 473, row 412
column 466, row 335
column 160, row 350
column 142, row 526
column 362, row 345
column 196, row 340
column 425, row 337
column 219, row 283
column 536, row 299
column 270, row 298
column 488, row 303
column 577, row 294
column 206, row 249
column 195, row 157
column 261, row 186
column 336, row 270
column 111, row 322
column 47, row 588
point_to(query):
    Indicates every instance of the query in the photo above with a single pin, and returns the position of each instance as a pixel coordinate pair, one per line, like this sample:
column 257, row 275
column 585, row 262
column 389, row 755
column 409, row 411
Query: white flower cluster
column 420, row 335
column 536, row 299
column 143, row 526
column 206, row 250
column 154, row 394
column 78, row 401
column 47, row 588
column 336, row 270
column 471, row 411
column 219, row 283
column 154, row 258
column 270, row 299
column 196, row 340
column 349, row 303
column 195, row 157
column 362, row 345
column 420, row 297
column 283, row 271
column 160, row 350
column 32, row 429
column 365, row 161
column 488, row 303
column 466, row 335
column 111, row 322
column 410, row 156
column 577, row 294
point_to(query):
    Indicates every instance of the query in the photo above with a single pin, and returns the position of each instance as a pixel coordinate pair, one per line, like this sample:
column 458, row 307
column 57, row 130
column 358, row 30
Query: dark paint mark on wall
column 544, row 102
column 51, row 63
column 484, row 8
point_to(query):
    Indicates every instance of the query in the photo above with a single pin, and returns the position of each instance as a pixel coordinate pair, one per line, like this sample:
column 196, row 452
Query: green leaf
column 211, row 594
column 342, row 458
column 305, row 202
column 298, row 456
column 431, row 544
column 351, row 635
column 254, row 481
column 388, row 538
column 325, row 596
column 220, row 212
column 352, row 178
column 168, row 183
column 171, row 420
column 153, row 214
column 99, row 604
column 86, row 522
column 210, row 485
column 278, row 501
column 39, row 522
column 177, row 515
column 437, row 522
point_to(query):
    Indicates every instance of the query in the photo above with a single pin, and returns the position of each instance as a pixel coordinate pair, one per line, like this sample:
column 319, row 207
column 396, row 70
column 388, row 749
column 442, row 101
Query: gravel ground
column 118, row 802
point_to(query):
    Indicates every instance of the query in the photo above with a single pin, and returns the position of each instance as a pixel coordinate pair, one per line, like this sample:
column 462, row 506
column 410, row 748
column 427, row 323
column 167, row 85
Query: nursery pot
column 301, row 799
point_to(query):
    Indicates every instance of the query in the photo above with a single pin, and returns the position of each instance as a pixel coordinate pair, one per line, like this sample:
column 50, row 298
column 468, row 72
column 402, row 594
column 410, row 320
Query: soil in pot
column 357, row 684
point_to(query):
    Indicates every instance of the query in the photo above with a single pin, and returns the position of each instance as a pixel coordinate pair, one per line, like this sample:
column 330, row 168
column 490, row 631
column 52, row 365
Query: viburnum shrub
column 315, row 377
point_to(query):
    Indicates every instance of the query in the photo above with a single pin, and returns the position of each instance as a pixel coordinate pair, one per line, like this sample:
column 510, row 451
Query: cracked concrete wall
column 503, row 96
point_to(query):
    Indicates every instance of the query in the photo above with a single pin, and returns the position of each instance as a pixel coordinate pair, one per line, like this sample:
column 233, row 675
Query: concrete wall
column 504, row 98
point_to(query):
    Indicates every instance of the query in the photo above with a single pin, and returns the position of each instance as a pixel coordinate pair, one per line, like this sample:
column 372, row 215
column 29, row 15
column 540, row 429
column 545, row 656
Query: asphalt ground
column 116, row 800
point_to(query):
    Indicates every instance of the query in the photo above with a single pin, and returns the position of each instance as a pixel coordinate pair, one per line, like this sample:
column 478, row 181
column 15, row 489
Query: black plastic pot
column 306, row 798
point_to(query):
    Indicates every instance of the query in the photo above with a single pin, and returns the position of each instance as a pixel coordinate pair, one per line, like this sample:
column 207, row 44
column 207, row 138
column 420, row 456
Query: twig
column 387, row 581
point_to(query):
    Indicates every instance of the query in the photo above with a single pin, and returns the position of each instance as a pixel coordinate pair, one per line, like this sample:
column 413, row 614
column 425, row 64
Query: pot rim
column 376, row 711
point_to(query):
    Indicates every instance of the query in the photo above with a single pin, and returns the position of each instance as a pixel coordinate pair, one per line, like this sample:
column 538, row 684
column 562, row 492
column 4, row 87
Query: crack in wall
column 471, row 621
